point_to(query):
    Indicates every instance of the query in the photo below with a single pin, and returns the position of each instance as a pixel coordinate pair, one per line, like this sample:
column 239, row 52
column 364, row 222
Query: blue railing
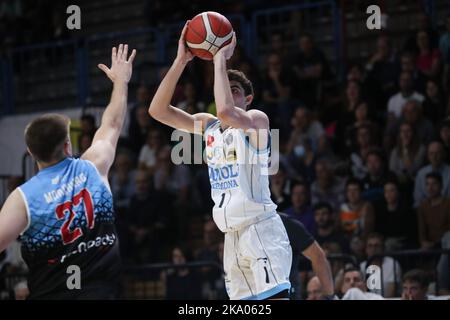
column 75, row 60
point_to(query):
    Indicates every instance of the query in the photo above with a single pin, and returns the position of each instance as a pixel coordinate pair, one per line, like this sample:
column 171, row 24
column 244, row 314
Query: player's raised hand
column 121, row 66
column 183, row 53
column 228, row 50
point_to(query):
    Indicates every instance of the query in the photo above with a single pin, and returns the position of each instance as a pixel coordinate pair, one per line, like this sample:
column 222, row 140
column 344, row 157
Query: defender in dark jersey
column 64, row 214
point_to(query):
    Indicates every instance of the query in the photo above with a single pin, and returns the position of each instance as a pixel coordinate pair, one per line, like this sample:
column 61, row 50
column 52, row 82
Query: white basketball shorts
column 257, row 260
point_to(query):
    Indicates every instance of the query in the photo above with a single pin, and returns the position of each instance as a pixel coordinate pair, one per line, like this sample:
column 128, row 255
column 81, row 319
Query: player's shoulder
column 259, row 118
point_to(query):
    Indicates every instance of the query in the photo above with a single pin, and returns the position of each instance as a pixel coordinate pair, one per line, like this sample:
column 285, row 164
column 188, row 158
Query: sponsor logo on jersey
column 224, row 177
column 210, row 140
column 84, row 246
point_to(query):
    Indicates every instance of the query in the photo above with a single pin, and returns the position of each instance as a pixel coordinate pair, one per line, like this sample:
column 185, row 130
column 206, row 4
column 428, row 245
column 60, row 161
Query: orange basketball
column 207, row 32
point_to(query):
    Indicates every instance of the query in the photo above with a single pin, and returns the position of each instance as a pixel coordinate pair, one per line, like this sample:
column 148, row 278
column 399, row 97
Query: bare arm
column 160, row 107
column 13, row 219
column 103, row 147
column 321, row 267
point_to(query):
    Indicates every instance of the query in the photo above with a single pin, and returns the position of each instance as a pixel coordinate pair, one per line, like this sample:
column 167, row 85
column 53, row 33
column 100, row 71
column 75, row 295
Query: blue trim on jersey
column 270, row 292
column 209, row 124
column 249, row 145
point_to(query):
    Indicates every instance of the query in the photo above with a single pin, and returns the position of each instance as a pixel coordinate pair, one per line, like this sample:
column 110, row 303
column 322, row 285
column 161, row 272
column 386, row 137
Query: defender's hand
column 121, row 67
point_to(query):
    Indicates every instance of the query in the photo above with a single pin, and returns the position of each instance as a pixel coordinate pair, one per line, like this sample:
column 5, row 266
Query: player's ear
column 248, row 99
column 68, row 148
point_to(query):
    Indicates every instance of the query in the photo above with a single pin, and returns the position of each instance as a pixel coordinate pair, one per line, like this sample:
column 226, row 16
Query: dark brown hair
column 239, row 76
column 45, row 136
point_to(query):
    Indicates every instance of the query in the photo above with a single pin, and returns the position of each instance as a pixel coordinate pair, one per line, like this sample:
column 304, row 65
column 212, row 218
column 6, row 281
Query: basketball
column 207, row 32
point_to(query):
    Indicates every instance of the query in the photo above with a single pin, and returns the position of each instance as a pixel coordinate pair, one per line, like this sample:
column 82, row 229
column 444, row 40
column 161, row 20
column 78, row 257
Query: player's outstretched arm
column 160, row 107
column 13, row 219
column 103, row 147
column 227, row 112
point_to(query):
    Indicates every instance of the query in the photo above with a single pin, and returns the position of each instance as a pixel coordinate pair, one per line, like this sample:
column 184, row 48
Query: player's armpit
column 13, row 219
column 101, row 153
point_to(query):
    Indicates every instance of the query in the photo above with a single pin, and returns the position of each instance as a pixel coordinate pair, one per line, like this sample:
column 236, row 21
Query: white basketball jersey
column 239, row 177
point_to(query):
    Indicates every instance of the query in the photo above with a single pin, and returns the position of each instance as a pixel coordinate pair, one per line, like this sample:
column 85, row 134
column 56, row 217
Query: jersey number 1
column 65, row 208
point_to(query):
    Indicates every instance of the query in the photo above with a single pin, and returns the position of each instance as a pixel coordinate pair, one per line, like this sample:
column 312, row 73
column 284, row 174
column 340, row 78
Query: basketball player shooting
column 65, row 213
column 257, row 252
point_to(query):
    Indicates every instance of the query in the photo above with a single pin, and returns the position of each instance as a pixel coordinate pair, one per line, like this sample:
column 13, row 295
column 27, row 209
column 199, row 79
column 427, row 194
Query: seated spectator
column 191, row 98
column 433, row 106
column 302, row 159
column 429, row 59
column 357, row 248
column 415, row 285
column 354, row 287
column 327, row 232
column 444, row 138
column 84, row 142
column 182, row 283
column 87, row 124
column 365, row 142
column 397, row 102
column 147, row 155
column 433, row 213
column 280, row 186
column 312, row 70
column 140, row 124
column 443, row 267
column 413, row 114
column 377, row 175
column 147, row 220
column 327, row 186
column 408, row 64
column 435, row 155
column 122, row 180
column 395, row 218
column 382, row 67
column 356, row 216
column 301, row 206
column 391, row 270
column 304, row 126
column 314, row 289
column 408, row 155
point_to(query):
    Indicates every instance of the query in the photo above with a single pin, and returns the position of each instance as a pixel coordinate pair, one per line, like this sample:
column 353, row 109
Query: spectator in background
column 382, row 67
column 377, row 175
column 302, row 159
column 301, row 206
column 84, row 142
column 444, row 42
column 408, row 155
column 173, row 179
column 327, row 231
column 280, row 186
column 391, row 270
column 415, row 285
column 88, row 125
column 444, row 137
column 327, row 186
column 140, row 124
column 429, row 58
column 433, row 213
column 435, row 154
column 423, row 24
column 365, row 142
column 356, row 216
column 182, row 283
column 443, row 266
column 395, row 218
column 433, row 106
column 354, row 287
column 147, row 221
column 191, row 98
column 304, row 126
column 314, row 289
column 311, row 69
column 408, row 64
column 147, row 155
column 397, row 102
column 413, row 114
column 357, row 248
column 122, row 180
column 276, row 95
